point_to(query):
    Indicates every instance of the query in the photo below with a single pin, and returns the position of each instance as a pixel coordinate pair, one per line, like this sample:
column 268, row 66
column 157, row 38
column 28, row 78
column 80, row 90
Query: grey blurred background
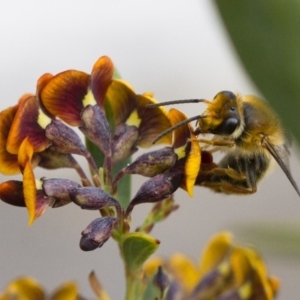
column 174, row 48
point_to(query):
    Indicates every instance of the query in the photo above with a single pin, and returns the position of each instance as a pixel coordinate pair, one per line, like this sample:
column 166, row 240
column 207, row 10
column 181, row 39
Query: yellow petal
column 246, row 263
column 29, row 186
column 261, row 272
column 25, row 153
column 245, row 291
column 216, row 250
column 185, row 271
column 120, row 101
column 241, row 265
column 24, row 288
column 274, row 284
column 192, row 166
column 182, row 133
column 97, row 287
column 153, row 122
column 4, row 296
column 67, row 291
column 150, row 267
column 127, row 107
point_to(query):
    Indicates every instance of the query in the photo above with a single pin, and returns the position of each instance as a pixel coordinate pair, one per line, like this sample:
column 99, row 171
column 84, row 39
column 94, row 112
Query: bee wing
column 284, row 154
column 281, row 157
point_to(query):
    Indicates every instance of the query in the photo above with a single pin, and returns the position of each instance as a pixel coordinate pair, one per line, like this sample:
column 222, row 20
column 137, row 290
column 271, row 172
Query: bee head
column 221, row 116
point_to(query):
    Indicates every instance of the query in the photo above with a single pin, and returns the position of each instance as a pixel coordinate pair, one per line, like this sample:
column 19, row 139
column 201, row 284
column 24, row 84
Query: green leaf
column 151, row 291
column 96, row 153
column 159, row 212
column 266, row 37
column 124, row 185
column 137, row 247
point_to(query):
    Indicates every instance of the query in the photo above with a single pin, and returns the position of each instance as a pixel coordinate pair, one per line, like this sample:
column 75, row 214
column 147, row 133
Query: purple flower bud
column 153, row 163
column 59, row 189
column 92, row 198
column 97, row 233
column 156, row 189
column 208, row 285
column 42, row 203
column 174, row 292
column 54, row 160
column 161, row 280
column 124, row 142
column 96, row 128
column 64, row 139
column 231, row 295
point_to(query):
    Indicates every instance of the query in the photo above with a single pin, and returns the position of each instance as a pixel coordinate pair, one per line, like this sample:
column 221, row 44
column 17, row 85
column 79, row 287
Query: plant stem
column 133, row 288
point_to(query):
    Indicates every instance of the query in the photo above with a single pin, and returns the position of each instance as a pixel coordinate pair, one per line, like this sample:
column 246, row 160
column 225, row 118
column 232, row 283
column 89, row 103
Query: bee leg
column 230, row 181
column 221, row 143
column 230, row 172
column 233, row 189
column 229, row 188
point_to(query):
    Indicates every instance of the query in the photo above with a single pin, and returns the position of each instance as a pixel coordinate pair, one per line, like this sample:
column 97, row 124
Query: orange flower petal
column 11, row 192
column 24, row 98
column 25, row 124
column 63, row 95
column 182, row 133
column 29, row 185
column 127, row 107
column 8, row 162
column 29, row 191
column 120, row 101
column 153, row 122
column 101, row 78
column 42, row 81
column 185, row 142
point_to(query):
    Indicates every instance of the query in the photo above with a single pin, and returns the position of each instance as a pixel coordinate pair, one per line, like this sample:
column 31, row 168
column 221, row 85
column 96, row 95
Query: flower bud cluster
column 37, row 132
column 225, row 271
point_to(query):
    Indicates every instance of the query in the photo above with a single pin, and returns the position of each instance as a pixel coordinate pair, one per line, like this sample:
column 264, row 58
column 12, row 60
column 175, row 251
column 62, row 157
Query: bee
column 248, row 131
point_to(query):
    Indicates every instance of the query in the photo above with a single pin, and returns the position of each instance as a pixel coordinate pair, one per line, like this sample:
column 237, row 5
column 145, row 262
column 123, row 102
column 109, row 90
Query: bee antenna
column 175, row 102
column 175, row 127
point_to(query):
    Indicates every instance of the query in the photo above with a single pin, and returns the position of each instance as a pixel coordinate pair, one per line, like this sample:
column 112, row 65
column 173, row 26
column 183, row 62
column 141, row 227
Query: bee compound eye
column 227, row 127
